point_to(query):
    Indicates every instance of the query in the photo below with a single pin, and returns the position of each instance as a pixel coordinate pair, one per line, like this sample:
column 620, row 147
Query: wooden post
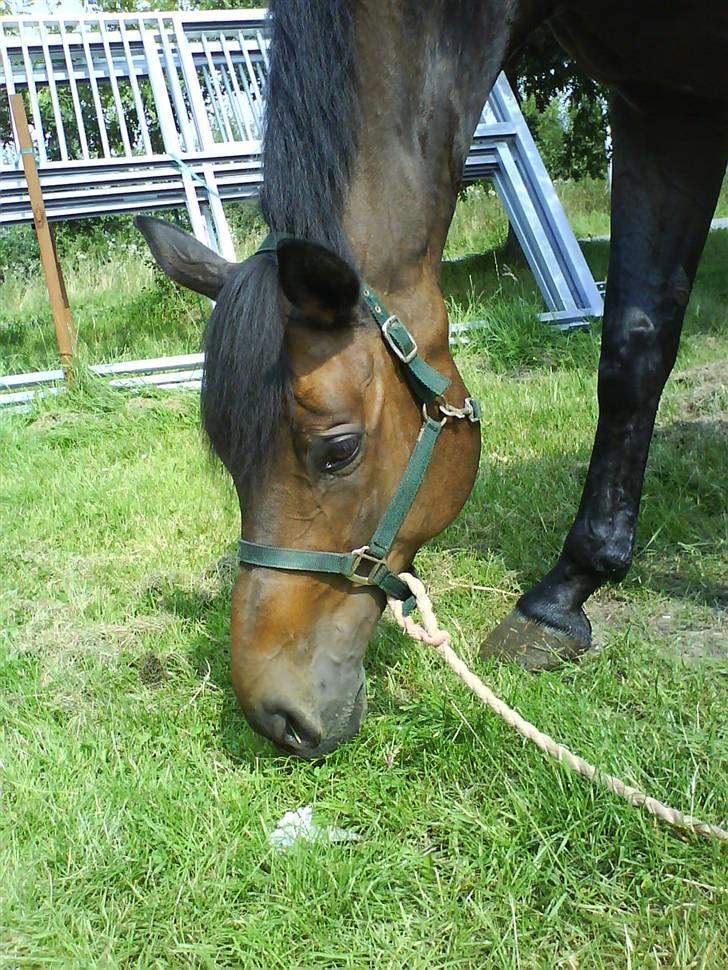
column 60, row 308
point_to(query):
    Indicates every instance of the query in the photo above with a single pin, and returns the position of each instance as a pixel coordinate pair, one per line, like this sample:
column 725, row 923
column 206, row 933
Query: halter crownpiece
column 367, row 566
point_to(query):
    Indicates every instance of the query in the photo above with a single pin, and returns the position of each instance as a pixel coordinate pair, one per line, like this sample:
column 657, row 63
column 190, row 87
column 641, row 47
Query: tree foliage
column 13, row 7
column 566, row 109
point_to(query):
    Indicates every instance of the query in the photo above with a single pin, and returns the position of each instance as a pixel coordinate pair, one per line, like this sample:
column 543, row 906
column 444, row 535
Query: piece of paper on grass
column 299, row 826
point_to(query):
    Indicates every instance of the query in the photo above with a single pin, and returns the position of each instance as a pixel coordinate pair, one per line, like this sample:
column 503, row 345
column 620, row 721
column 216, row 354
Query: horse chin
column 298, row 671
column 309, row 720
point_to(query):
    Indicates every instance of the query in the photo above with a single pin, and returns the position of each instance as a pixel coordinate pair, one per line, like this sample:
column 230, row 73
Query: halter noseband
column 367, row 565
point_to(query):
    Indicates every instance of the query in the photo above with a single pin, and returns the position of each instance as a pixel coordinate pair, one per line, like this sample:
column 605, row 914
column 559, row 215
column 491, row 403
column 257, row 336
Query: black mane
column 312, row 119
column 309, row 145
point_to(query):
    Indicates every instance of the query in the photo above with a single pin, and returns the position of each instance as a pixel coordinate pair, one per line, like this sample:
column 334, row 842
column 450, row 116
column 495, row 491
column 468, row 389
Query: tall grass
column 135, row 802
column 123, row 307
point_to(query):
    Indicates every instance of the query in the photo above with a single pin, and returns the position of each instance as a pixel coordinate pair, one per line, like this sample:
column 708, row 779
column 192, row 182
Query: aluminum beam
column 164, row 110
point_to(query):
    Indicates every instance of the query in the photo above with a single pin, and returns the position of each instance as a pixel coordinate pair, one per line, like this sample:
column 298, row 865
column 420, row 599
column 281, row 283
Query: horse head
column 311, row 413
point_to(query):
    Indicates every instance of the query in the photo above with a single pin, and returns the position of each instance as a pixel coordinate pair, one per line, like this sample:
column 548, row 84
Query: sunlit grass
column 123, row 307
column 136, row 804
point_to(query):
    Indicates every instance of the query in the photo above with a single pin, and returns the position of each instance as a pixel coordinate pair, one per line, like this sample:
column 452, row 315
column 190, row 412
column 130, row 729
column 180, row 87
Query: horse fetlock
column 598, row 557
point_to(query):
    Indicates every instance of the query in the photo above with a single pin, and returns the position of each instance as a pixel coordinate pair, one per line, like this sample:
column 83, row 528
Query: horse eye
column 336, row 452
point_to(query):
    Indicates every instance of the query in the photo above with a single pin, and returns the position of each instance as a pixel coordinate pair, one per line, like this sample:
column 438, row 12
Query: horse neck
column 423, row 73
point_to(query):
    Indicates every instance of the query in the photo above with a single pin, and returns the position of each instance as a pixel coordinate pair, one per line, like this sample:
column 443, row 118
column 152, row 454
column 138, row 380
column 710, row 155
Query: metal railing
column 137, row 111
column 162, row 110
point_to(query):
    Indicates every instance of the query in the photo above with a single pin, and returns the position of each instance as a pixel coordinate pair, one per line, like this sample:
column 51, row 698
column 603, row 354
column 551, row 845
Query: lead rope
column 429, row 632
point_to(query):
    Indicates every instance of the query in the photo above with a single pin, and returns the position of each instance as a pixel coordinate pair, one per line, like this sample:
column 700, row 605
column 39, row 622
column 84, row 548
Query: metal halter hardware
column 367, row 566
column 405, row 357
column 360, row 556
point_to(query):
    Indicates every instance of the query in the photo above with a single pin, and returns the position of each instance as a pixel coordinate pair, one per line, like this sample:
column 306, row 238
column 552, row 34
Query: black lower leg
column 663, row 198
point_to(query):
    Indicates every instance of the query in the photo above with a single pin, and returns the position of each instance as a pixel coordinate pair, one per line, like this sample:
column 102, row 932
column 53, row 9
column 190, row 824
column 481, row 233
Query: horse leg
column 668, row 168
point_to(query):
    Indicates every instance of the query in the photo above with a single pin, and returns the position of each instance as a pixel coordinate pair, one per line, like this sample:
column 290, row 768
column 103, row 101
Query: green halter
column 367, row 566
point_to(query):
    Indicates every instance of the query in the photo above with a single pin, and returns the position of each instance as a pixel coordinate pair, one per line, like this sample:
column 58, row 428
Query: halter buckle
column 473, row 410
column 402, row 354
column 360, row 556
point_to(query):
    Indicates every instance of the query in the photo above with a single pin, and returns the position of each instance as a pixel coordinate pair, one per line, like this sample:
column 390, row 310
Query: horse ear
column 183, row 258
column 318, row 283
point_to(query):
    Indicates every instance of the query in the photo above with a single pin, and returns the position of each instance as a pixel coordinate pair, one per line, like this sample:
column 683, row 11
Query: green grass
column 135, row 803
column 124, row 308
column 480, row 223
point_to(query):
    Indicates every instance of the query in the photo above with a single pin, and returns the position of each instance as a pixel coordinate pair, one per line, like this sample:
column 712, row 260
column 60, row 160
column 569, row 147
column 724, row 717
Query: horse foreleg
column 668, row 168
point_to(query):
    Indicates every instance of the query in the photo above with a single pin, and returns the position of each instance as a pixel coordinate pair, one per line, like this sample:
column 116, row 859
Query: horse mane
column 312, row 122
column 312, row 119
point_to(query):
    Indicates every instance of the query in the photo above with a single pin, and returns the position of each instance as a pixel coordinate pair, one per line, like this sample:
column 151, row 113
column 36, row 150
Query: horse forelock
column 246, row 378
column 312, row 123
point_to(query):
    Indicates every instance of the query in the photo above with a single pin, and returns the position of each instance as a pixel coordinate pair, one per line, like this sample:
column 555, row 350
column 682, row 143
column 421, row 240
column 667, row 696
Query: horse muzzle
column 311, row 726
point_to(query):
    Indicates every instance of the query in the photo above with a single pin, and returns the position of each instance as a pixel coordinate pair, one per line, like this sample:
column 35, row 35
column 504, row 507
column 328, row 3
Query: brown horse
column 371, row 110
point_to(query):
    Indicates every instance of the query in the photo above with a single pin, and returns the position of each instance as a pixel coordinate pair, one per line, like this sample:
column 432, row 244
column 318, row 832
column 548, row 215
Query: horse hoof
column 533, row 645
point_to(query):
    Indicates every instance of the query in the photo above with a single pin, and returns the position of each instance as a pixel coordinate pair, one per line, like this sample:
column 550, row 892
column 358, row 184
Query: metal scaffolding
column 165, row 110
column 133, row 112
column 162, row 110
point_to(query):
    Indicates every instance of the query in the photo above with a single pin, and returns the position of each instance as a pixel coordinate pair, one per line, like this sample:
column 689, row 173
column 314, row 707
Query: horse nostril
column 294, row 730
column 299, row 737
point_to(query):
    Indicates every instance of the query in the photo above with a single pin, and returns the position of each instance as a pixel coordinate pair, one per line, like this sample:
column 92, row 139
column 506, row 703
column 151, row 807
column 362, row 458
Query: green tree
column 12, row 8
column 556, row 92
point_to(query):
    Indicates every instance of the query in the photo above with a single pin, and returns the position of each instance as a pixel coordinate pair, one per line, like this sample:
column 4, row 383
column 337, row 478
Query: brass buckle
column 404, row 358
column 363, row 555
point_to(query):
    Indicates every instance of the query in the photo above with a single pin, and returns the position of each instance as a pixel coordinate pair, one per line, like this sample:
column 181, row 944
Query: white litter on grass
column 299, row 826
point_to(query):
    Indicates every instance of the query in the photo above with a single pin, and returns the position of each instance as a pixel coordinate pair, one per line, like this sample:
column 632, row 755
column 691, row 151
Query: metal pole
column 62, row 318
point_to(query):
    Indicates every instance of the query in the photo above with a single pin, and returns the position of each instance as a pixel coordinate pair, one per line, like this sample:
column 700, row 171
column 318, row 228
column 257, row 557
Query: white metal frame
column 181, row 371
column 164, row 110
column 173, row 101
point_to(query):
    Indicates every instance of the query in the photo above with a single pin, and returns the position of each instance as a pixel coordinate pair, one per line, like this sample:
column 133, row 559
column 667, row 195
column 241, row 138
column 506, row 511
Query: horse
column 310, row 396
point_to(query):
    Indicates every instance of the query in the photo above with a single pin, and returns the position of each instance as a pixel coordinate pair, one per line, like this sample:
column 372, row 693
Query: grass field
column 135, row 803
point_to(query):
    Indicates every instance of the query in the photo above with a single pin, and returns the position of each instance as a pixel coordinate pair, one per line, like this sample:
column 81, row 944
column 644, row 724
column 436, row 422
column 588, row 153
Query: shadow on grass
column 484, row 277
column 684, row 585
column 522, row 512
column 206, row 608
column 505, row 274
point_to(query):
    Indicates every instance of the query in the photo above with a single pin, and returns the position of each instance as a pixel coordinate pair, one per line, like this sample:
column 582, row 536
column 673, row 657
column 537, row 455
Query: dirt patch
column 55, row 419
column 675, row 627
column 151, row 670
column 699, row 391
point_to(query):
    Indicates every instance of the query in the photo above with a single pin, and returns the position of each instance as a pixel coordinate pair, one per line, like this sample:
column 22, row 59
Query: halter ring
column 363, row 555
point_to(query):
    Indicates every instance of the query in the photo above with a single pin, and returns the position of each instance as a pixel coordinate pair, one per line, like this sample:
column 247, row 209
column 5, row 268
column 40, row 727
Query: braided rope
column 429, row 632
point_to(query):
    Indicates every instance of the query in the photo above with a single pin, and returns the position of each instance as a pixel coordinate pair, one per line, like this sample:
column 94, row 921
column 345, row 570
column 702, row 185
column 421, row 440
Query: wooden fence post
column 60, row 308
